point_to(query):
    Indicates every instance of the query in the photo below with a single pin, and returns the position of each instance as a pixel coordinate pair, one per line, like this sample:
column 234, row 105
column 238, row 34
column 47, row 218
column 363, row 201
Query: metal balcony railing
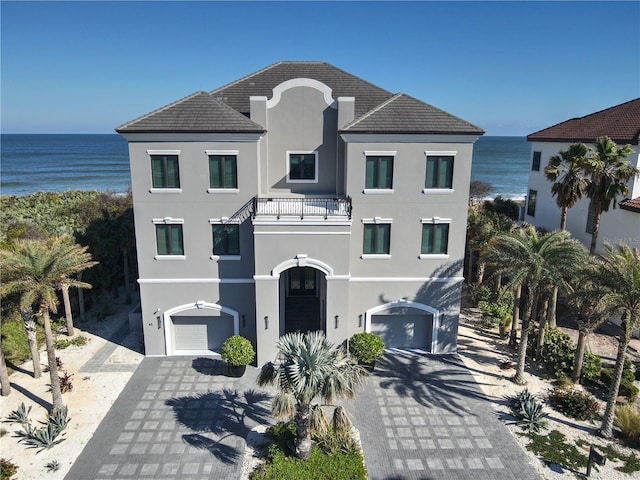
column 303, row 207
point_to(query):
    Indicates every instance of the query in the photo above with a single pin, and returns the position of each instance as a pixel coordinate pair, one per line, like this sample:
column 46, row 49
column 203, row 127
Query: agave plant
column 21, row 415
column 532, row 416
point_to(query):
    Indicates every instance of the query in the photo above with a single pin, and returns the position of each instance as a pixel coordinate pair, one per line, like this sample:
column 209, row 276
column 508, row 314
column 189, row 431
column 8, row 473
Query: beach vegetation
column 575, row 403
column 503, row 206
column 536, row 261
column 617, row 273
column 35, row 269
column 310, row 367
column 7, row 469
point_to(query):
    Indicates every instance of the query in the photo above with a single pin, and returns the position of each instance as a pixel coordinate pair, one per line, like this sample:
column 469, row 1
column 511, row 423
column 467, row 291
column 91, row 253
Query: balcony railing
column 303, row 207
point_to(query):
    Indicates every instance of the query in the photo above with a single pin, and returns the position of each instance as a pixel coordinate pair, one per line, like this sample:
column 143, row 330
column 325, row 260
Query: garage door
column 404, row 331
column 192, row 333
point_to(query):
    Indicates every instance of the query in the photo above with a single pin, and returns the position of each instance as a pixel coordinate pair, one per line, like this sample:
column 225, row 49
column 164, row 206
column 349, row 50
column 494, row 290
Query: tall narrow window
column 164, row 171
column 379, row 172
column 535, row 163
column 169, row 239
column 376, row 238
column 223, row 171
column 435, row 238
column 439, row 172
column 303, row 167
column 226, row 239
column 531, row 203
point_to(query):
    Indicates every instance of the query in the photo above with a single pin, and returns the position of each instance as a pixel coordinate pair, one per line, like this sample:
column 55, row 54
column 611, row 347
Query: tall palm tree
column 566, row 171
column 618, row 275
column 534, row 260
column 36, row 269
column 5, row 383
column 591, row 312
column 609, row 174
column 310, row 367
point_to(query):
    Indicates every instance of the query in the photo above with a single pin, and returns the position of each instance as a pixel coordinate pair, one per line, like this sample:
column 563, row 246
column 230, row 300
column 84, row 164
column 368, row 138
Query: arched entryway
column 302, row 300
column 405, row 324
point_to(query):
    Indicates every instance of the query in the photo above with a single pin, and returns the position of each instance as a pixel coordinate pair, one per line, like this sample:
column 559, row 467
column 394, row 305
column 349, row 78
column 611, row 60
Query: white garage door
column 404, row 331
column 191, row 333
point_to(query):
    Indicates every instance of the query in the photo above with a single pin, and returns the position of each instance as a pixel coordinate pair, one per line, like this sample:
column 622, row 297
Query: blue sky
column 511, row 68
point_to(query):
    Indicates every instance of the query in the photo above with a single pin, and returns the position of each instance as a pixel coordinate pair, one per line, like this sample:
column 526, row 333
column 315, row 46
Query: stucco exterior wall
column 616, row 225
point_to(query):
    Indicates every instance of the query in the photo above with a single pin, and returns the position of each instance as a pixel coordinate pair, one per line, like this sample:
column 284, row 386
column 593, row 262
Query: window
column 439, row 171
column 303, row 167
column 164, row 171
column 535, row 164
column 531, row 203
column 435, row 239
column 376, row 238
column 169, row 239
column 223, row 171
column 379, row 172
column 226, row 239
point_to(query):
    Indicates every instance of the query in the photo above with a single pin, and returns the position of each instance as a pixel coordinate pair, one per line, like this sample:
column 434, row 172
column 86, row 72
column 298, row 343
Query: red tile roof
column 631, row 204
column 621, row 123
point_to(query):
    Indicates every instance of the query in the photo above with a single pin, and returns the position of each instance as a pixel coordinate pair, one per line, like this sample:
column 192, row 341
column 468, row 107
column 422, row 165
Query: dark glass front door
column 302, row 282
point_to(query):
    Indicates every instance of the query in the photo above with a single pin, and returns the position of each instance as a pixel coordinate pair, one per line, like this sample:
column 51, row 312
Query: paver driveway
column 425, row 417
column 420, row 417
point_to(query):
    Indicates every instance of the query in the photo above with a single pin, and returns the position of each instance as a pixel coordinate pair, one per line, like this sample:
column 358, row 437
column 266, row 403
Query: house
column 299, row 197
column 621, row 224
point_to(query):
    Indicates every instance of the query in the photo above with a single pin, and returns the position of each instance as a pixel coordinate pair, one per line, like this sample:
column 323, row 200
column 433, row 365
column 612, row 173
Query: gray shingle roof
column 405, row 114
column 227, row 108
column 621, row 123
column 198, row 112
column 262, row 83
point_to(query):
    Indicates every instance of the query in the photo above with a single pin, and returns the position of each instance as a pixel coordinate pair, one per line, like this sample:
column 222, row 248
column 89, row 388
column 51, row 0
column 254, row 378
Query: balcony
column 302, row 207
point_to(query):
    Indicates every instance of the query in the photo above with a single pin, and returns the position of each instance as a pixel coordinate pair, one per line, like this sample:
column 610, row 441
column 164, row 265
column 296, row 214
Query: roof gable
column 405, row 114
column 262, row 83
column 198, row 112
column 621, row 123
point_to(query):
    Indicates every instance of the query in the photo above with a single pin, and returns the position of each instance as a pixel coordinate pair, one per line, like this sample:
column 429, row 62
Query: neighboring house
column 299, row 197
column 621, row 224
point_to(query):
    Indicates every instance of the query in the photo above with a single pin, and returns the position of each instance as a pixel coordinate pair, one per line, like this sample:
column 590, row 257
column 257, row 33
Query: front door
column 302, row 302
column 302, row 282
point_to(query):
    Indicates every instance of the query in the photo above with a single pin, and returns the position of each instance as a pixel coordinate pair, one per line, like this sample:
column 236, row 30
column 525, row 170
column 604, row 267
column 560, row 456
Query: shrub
column 504, row 206
column 558, row 352
column 496, row 311
column 575, row 403
column 65, row 382
column 62, row 343
column 628, row 421
column 591, row 368
column 367, row 347
column 627, row 388
column 237, row 351
column 7, row 469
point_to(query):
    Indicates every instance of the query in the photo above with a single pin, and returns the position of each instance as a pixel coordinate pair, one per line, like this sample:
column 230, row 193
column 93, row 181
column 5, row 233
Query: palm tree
column 35, row 270
column 566, row 171
column 5, row 383
column 310, row 367
column 534, row 260
column 586, row 299
column 618, row 275
column 609, row 173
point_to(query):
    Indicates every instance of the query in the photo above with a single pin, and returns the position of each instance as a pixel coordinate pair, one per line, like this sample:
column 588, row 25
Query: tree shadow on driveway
column 221, row 420
column 432, row 381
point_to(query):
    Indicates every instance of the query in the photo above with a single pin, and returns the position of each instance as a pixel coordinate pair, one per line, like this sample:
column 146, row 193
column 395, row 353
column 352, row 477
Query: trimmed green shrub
column 628, row 421
column 558, row 352
column 497, row 310
column 62, row 343
column 627, row 388
column 237, row 351
column 575, row 403
column 367, row 347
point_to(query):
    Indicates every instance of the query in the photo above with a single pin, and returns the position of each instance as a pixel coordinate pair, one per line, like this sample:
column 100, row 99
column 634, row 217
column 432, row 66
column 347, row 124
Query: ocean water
column 30, row 163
